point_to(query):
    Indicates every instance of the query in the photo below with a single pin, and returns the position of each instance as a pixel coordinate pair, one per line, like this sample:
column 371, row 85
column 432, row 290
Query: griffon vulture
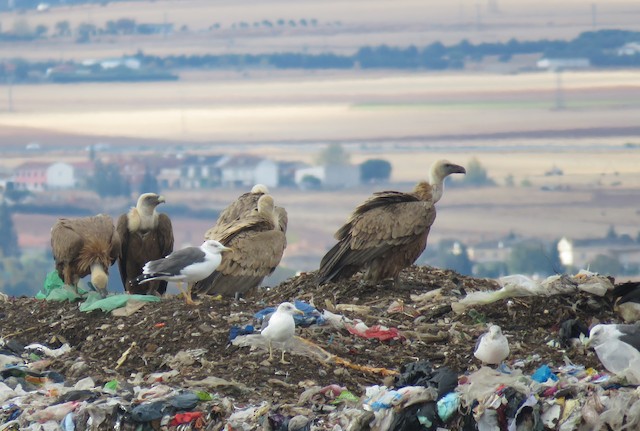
column 245, row 203
column 146, row 235
column 189, row 265
column 83, row 246
column 387, row 232
column 258, row 240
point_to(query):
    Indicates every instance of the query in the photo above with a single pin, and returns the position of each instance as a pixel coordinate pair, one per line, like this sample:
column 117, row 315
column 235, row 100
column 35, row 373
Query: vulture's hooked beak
column 161, row 199
column 457, row 169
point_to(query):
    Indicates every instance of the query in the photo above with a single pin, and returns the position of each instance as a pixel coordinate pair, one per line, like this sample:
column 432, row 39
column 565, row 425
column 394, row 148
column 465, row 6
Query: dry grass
column 343, row 26
column 314, row 107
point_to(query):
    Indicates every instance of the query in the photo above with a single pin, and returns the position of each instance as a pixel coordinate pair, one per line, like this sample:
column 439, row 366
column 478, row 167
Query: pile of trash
column 364, row 358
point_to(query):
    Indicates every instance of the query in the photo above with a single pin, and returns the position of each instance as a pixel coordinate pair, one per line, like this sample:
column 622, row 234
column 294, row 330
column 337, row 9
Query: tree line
column 598, row 46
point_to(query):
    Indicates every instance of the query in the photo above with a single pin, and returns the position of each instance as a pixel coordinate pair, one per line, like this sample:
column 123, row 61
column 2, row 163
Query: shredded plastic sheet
column 54, row 289
column 300, row 346
column 520, row 285
column 110, row 303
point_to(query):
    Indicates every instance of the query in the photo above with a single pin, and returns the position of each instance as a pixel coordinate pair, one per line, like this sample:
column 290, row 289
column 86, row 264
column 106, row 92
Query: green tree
column 509, row 181
column 611, row 233
column 8, row 235
column 41, row 30
column 149, row 183
column 533, row 257
column 108, row 181
column 606, row 265
column 63, row 28
column 334, row 154
column 374, row 170
column 85, row 31
column 476, row 174
column 310, row 182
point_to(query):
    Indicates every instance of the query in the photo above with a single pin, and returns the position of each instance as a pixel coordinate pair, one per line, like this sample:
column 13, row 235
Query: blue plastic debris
column 448, row 405
column 234, row 331
column 543, row 374
column 311, row 315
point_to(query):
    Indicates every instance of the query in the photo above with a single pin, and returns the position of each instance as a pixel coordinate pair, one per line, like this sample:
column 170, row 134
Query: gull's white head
column 289, row 308
column 213, row 246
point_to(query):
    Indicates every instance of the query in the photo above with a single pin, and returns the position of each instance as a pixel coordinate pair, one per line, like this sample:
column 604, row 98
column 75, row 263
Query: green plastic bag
column 54, row 289
column 110, row 303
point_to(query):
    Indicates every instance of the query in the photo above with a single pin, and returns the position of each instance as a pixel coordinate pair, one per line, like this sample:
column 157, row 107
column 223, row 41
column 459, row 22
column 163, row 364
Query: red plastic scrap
column 185, row 418
column 378, row 332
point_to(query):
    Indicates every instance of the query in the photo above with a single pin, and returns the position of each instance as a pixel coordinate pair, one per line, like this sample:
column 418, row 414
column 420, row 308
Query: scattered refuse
column 363, row 358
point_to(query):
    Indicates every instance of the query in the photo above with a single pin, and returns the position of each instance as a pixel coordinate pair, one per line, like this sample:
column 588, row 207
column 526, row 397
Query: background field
column 511, row 122
column 342, row 26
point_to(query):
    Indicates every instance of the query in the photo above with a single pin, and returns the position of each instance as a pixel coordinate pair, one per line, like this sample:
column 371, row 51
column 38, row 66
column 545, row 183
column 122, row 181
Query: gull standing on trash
column 188, row 265
column 618, row 348
column 492, row 347
column 281, row 327
column 387, row 232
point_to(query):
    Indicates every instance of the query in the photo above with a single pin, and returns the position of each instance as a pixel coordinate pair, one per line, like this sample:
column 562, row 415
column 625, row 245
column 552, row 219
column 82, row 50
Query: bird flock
column 384, row 235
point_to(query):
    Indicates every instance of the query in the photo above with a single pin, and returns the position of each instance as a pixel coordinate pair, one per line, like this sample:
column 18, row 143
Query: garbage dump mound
column 166, row 364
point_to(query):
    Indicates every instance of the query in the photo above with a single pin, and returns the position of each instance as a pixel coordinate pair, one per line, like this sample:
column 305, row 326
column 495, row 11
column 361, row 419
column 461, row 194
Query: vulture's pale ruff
column 387, row 232
column 146, row 235
column 258, row 240
column 83, row 246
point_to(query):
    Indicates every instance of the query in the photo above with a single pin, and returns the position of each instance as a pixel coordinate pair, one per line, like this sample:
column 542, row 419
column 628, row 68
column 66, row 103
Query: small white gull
column 281, row 327
column 188, row 265
column 492, row 347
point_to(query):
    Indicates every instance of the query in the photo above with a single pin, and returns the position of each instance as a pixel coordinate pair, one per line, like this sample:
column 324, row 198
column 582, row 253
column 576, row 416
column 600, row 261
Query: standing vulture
column 245, row 203
column 258, row 240
column 146, row 235
column 83, row 246
column 387, row 232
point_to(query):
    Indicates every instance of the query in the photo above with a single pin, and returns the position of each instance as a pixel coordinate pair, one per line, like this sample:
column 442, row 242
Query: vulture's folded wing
column 125, row 237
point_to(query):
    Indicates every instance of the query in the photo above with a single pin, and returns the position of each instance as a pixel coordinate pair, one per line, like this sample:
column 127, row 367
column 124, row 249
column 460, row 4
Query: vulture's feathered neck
column 436, row 180
column 142, row 218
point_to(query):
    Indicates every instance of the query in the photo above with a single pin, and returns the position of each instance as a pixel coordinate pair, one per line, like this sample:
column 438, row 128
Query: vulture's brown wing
column 375, row 229
column 245, row 203
column 377, row 200
column 66, row 242
column 225, row 234
column 116, row 245
column 125, row 243
column 255, row 256
column 165, row 234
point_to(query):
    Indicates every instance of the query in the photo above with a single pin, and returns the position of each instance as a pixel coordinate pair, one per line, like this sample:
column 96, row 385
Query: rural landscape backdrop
column 539, row 100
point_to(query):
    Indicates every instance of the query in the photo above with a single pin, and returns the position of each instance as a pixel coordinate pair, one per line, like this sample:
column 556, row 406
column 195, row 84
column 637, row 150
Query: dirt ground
column 429, row 330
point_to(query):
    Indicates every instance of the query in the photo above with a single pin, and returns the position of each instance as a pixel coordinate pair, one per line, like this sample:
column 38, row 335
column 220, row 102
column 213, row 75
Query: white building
column 60, row 176
column 248, row 170
column 331, row 176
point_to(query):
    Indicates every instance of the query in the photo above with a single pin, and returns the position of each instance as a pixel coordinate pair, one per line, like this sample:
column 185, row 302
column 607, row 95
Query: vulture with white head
column 83, row 246
column 258, row 240
column 387, row 232
column 146, row 235
column 245, row 203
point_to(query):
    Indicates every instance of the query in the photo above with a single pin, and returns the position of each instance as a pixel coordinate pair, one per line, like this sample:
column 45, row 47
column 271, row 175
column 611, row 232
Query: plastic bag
column 95, row 302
